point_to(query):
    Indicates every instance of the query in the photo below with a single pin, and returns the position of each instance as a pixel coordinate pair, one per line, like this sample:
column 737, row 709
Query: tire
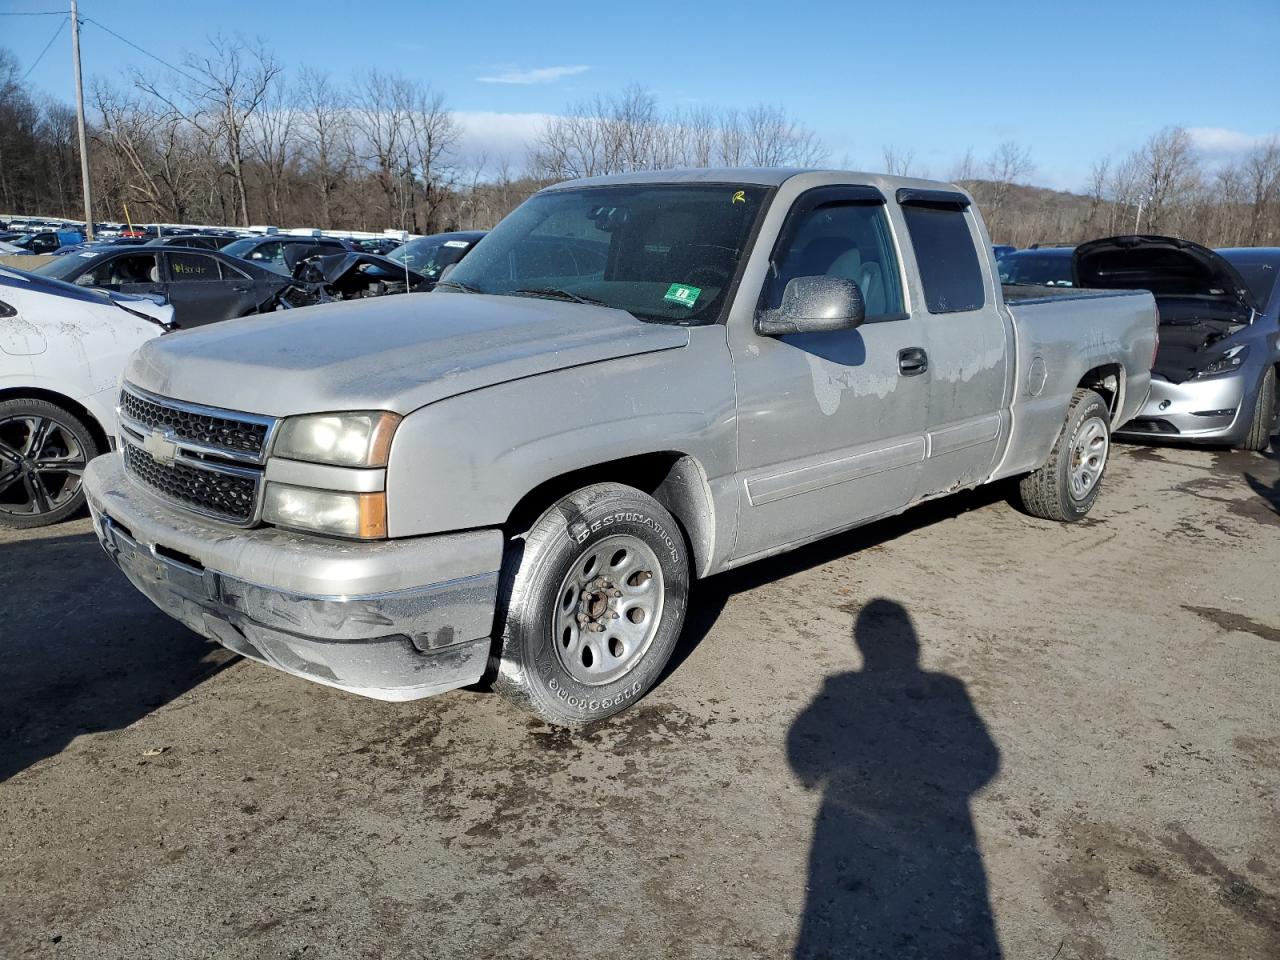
column 1066, row 486
column 1264, row 414
column 606, row 556
column 43, row 452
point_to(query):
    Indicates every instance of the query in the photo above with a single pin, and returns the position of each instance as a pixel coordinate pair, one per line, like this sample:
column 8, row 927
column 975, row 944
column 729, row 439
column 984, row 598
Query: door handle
column 240, row 289
column 912, row 361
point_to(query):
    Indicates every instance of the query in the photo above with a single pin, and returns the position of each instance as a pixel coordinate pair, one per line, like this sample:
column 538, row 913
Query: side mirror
column 814, row 305
column 446, row 271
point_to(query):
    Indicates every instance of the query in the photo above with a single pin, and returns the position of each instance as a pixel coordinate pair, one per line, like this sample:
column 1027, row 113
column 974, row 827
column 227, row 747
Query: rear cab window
column 946, row 250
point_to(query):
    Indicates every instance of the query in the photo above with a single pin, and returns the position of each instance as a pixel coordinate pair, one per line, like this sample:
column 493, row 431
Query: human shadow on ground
column 898, row 752
column 81, row 650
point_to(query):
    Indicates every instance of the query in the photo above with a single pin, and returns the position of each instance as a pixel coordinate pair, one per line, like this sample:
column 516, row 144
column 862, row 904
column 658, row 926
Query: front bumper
column 393, row 620
column 1205, row 410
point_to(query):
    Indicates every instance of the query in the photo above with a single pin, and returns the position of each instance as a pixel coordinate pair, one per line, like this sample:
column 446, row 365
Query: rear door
column 199, row 291
column 968, row 339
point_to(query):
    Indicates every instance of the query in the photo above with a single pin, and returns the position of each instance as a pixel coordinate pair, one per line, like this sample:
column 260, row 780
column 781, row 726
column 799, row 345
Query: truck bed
column 1061, row 334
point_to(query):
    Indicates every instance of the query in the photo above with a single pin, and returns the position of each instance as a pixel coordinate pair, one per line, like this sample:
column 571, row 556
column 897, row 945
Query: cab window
column 118, row 271
column 850, row 240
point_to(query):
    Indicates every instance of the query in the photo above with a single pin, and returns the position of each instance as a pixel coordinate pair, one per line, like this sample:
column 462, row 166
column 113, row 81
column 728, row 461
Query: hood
column 388, row 353
column 1166, row 266
column 149, row 308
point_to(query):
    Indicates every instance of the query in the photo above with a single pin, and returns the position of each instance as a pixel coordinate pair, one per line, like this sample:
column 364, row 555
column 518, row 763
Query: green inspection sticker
column 683, row 293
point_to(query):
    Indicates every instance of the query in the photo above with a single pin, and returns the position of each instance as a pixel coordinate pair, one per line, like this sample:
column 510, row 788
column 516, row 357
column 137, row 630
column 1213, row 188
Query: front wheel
column 594, row 601
column 1264, row 414
column 1066, row 486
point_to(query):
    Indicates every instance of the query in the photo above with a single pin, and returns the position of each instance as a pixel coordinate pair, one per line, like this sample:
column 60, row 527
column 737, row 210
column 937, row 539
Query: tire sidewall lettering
column 580, row 533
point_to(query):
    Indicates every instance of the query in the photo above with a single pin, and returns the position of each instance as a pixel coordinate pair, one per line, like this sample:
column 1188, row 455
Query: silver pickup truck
column 632, row 382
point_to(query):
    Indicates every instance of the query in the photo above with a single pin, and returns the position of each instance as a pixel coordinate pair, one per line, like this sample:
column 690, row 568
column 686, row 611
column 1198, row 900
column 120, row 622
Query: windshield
column 1042, row 269
column 662, row 252
column 429, row 255
column 1258, row 271
column 238, row 248
column 61, row 268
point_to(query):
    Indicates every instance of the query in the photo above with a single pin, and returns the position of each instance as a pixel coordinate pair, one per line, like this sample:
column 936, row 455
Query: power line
column 41, row 13
column 65, row 18
column 145, row 53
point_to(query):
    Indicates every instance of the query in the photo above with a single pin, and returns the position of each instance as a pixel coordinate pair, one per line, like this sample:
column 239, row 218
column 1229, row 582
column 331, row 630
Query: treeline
column 231, row 138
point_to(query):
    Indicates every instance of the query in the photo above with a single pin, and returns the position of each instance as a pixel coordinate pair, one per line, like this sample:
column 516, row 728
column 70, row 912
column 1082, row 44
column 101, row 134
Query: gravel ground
column 963, row 732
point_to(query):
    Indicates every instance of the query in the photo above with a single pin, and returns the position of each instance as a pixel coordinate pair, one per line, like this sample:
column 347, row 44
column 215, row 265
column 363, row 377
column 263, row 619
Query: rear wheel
column 1066, row 486
column 594, row 600
column 43, row 452
column 1264, row 414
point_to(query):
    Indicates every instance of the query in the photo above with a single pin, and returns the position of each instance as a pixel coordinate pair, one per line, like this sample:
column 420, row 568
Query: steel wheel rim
column 608, row 609
column 41, row 465
column 1089, row 456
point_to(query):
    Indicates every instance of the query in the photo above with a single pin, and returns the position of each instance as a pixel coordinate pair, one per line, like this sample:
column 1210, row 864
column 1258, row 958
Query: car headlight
column 346, row 439
column 357, row 515
column 1229, row 361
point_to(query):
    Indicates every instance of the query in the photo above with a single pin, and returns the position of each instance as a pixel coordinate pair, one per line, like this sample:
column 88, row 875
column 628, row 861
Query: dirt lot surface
column 960, row 733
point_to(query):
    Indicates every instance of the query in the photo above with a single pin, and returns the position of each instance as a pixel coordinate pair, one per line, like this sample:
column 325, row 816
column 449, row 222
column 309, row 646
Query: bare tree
column 1262, row 176
column 1008, row 165
column 272, row 134
column 429, row 139
column 224, row 88
column 897, row 160
column 1168, row 174
column 324, row 124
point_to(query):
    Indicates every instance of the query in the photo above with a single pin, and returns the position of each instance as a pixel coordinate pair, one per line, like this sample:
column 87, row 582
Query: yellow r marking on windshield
column 740, row 197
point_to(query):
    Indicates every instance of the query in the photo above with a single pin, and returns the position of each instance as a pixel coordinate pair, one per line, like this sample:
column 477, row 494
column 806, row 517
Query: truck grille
column 206, row 427
column 217, row 494
column 208, row 460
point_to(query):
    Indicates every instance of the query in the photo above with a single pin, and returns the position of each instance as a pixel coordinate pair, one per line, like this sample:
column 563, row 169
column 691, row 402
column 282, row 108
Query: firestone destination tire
column 593, row 601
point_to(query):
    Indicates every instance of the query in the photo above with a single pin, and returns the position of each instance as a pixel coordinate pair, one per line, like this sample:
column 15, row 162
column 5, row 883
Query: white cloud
column 536, row 75
column 1219, row 142
column 492, row 136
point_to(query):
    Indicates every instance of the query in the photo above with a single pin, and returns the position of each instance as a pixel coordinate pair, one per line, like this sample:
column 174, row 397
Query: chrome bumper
column 1207, row 409
column 385, row 638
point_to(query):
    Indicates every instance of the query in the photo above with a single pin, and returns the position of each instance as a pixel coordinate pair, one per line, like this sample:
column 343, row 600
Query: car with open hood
column 1214, row 376
column 62, row 351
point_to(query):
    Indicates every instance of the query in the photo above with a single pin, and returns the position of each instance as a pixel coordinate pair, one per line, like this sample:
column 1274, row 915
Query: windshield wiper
column 459, row 285
column 555, row 293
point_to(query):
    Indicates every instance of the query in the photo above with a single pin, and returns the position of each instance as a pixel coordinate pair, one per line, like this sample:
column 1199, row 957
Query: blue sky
column 1072, row 81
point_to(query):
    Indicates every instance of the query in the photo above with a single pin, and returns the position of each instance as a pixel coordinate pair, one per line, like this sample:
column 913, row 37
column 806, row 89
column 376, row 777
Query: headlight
column 360, row 515
column 346, row 439
column 1229, row 361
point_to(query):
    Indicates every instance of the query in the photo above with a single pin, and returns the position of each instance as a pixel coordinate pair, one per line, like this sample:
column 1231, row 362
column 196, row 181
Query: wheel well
column 79, row 410
column 672, row 478
column 1108, row 381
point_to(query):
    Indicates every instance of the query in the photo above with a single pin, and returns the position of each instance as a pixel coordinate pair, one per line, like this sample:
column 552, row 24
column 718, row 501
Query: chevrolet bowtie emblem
column 160, row 446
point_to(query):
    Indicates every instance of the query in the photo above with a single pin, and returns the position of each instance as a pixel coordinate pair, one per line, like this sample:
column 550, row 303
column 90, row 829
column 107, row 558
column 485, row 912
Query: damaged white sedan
column 62, row 351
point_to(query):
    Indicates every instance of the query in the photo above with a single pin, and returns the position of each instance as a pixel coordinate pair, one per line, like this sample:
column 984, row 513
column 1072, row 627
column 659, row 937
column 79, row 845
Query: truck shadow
column 894, row 867
column 81, row 650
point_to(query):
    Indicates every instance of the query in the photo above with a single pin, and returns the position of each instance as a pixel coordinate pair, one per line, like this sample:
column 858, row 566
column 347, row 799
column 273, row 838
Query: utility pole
column 84, row 141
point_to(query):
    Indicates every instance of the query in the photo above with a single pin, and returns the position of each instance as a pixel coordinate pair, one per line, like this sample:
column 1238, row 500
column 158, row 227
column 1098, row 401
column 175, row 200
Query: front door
column 830, row 426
